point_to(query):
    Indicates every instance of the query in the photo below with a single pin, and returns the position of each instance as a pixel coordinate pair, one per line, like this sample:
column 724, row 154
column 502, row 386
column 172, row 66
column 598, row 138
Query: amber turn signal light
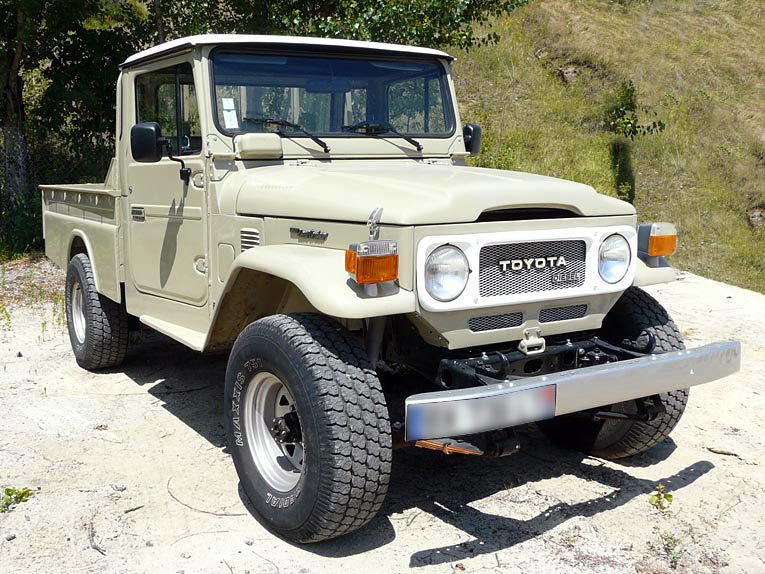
column 657, row 239
column 374, row 261
column 662, row 245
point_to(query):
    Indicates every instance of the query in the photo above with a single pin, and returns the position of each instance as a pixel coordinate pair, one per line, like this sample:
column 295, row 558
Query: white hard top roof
column 218, row 39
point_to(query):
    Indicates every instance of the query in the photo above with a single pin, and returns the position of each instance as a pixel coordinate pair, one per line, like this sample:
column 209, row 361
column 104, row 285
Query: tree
column 29, row 30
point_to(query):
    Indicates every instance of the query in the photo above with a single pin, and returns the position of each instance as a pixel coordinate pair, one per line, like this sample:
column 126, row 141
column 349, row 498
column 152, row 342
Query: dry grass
column 30, row 280
column 543, row 92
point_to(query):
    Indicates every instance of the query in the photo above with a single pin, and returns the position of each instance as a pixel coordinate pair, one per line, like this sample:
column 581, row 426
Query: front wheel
column 634, row 316
column 308, row 426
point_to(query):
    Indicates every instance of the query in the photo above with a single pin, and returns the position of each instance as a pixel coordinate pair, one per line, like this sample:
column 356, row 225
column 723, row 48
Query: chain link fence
column 26, row 163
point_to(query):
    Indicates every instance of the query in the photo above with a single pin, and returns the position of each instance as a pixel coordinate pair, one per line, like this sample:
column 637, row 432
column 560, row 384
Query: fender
column 645, row 275
column 316, row 273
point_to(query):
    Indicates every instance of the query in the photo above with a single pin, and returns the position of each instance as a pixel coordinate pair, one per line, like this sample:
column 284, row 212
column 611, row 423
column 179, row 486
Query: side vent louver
column 249, row 238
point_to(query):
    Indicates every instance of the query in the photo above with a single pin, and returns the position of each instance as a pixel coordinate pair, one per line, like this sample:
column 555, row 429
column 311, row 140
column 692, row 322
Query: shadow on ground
column 190, row 387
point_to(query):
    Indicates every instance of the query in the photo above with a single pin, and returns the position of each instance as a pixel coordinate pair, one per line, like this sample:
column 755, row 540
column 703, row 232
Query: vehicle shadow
column 188, row 384
column 450, row 488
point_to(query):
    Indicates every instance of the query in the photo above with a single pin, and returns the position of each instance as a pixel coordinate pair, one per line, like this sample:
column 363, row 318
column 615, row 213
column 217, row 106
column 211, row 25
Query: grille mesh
column 495, row 282
column 249, row 238
column 562, row 313
column 492, row 322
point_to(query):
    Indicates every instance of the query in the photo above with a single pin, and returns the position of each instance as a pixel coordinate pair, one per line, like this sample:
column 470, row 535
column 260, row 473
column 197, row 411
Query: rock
column 185, row 555
column 19, row 355
column 10, row 537
column 249, row 541
column 756, row 216
column 568, row 73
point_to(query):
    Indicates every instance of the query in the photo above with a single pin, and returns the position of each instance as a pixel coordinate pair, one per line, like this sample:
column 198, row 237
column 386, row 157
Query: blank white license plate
column 441, row 419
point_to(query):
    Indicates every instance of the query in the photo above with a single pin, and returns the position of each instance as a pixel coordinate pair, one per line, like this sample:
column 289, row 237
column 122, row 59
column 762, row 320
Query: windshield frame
column 339, row 53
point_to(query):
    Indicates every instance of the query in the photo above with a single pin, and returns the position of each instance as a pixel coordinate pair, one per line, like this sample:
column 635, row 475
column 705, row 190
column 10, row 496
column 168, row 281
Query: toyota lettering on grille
column 556, row 263
column 532, row 263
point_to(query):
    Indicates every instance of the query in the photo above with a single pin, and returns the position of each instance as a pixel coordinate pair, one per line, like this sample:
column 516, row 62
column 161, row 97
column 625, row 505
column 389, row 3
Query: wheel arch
column 100, row 249
column 80, row 244
column 274, row 279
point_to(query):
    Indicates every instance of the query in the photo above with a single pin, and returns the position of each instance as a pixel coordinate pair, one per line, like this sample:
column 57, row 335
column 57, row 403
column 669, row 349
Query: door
column 167, row 218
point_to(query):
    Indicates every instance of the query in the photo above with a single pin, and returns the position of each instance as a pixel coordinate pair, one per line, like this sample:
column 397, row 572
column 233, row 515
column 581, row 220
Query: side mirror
column 471, row 133
column 146, row 142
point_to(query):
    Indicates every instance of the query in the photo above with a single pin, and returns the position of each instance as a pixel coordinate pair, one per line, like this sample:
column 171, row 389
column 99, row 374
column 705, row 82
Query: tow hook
column 532, row 343
column 286, row 429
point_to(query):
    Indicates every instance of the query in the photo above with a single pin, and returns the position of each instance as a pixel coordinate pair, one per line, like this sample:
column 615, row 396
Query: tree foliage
column 622, row 118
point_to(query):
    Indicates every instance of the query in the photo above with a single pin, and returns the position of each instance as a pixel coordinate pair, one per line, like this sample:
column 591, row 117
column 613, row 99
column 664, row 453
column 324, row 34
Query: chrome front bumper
column 459, row 412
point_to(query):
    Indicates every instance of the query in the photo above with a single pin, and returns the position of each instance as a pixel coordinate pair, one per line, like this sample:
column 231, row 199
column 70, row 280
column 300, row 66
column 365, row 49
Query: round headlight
column 446, row 273
column 614, row 258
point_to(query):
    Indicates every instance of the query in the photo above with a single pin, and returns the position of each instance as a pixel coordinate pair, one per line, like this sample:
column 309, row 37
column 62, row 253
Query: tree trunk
column 14, row 145
column 158, row 20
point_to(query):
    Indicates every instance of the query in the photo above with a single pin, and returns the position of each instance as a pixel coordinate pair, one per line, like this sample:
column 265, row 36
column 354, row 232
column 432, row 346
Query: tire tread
column 355, row 434
column 638, row 308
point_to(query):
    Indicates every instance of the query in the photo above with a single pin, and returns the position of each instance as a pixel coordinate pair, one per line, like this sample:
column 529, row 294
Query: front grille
column 492, row 322
column 495, row 282
column 562, row 313
column 249, row 238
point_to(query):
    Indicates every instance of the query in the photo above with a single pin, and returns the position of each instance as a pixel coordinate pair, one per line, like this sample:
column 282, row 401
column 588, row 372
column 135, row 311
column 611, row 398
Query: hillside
column 543, row 93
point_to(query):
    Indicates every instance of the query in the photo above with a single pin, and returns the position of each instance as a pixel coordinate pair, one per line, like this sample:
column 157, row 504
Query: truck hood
column 409, row 193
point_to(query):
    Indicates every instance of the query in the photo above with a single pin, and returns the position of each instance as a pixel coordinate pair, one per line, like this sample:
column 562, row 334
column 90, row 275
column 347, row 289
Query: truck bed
column 85, row 216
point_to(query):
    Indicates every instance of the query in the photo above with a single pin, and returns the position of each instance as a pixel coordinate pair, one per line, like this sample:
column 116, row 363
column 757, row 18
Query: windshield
column 330, row 96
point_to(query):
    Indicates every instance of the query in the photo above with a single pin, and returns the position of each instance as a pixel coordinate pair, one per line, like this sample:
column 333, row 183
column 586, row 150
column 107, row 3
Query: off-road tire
column 105, row 324
column 627, row 324
column 344, row 421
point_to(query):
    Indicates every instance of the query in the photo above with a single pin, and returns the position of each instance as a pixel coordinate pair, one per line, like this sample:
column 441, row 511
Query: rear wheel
column 308, row 426
column 628, row 324
column 98, row 327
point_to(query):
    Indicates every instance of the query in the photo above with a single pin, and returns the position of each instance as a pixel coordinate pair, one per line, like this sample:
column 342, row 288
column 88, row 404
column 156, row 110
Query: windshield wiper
column 288, row 124
column 371, row 128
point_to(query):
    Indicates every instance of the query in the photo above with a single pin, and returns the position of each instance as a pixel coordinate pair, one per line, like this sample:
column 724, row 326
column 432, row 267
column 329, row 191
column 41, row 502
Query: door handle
column 138, row 213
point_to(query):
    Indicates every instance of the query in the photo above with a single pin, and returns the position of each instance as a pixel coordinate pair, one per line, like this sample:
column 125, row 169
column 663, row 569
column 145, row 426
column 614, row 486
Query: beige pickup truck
column 306, row 204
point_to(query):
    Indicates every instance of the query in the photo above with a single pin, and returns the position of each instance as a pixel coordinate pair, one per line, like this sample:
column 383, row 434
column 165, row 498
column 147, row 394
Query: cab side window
column 168, row 97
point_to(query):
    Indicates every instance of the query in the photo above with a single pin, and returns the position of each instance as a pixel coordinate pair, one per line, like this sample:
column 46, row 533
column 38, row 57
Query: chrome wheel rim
column 267, row 400
column 78, row 312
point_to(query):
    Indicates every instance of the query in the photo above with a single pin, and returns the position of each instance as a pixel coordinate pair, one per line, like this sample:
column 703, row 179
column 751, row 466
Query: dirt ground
column 131, row 472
